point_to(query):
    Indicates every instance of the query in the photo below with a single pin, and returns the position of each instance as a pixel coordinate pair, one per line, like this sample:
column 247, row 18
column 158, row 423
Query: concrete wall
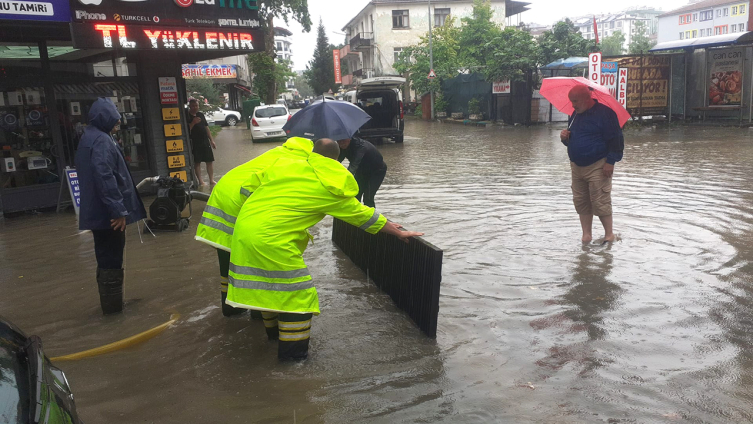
column 670, row 27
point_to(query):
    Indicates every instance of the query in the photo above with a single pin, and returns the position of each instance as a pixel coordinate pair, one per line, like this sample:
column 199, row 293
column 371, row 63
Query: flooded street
column 533, row 326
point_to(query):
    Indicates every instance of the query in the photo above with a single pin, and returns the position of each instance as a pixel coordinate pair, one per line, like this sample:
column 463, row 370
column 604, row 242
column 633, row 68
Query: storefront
column 57, row 58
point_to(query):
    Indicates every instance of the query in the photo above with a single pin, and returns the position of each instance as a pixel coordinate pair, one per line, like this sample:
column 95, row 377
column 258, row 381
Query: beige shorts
column 592, row 191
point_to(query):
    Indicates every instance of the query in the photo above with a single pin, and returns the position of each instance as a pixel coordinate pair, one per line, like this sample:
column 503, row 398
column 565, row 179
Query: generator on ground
column 166, row 211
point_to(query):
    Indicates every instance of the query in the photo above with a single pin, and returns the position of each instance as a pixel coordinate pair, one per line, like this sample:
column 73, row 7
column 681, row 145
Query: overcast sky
column 336, row 15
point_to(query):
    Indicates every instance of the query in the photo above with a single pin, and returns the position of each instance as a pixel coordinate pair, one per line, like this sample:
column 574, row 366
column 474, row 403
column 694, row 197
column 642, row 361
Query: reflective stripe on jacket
column 218, row 220
column 267, row 271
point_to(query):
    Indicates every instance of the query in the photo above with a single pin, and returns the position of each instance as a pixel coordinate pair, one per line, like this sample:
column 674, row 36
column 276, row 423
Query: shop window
column 400, row 19
column 27, row 151
column 74, row 102
column 19, row 60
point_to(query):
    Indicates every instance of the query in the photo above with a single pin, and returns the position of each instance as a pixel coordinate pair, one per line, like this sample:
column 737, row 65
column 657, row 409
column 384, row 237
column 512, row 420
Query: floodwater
column 533, row 326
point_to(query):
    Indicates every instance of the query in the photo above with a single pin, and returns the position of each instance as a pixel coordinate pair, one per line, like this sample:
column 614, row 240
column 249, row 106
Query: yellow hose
column 121, row 344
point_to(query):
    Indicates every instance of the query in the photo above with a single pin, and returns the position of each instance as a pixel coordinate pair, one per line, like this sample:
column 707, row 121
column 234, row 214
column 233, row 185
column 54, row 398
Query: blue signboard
column 26, row 10
column 73, row 188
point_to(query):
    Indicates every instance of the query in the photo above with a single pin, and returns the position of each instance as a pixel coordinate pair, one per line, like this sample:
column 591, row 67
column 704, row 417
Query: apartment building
column 377, row 35
column 704, row 19
column 624, row 22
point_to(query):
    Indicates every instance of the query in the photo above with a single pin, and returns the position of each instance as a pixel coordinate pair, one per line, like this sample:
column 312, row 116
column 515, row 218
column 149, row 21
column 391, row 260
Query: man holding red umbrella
column 594, row 143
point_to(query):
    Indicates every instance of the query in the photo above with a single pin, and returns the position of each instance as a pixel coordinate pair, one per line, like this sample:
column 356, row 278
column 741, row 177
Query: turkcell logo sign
column 24, row 10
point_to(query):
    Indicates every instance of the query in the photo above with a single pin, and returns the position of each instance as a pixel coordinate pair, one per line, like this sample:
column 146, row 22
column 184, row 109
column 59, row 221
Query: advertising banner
column 609, row 77
column 140, row 37
column 168, row 90
column 25, row 10
column 225, row 14
column 338, row 74
column 73, row 188
column 210, row 71
column 725, row 83
column 622, row 87
column 647, row 83
column 594, row 67
column 501, row 87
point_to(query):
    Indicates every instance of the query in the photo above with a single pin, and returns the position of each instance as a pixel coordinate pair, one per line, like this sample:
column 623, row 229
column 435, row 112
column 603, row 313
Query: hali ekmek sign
column 210, row 71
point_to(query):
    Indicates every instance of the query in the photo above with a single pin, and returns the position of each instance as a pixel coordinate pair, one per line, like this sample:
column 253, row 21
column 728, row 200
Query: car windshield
column 271, row 112
column 14, row 393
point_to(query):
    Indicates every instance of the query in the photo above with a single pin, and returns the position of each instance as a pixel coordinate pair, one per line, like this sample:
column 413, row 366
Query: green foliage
column 562, row 41
column 612, row 45
column 640, row 42
column 215, row 129
column 477, row 32
column 304, row 90
column 203, row 89
column 419, row 111
column 511, row 53
column 440, row 104
column 298, row 9
column 414, row 60
column 320, row 72
column 268, row 74
column 474, row 106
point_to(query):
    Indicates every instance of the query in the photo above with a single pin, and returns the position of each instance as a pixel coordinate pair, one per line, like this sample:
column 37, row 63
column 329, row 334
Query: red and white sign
column 431, row 75
column 338, row 74
column 594, row 68
column 622, row 86
column 501, row 87
column 168, row 90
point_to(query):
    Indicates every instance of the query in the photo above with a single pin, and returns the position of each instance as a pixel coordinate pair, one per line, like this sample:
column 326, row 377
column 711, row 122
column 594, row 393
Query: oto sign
column 609, row 77
column 622, row 87
column 594, row 67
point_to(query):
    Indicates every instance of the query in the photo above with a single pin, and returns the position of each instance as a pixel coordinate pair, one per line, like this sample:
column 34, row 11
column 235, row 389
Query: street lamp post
column 431, row 62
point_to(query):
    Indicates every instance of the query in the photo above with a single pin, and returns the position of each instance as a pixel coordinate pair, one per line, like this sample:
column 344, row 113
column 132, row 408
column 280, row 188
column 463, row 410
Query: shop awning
column 240, row 87
column 568, row 63
column 703, row 42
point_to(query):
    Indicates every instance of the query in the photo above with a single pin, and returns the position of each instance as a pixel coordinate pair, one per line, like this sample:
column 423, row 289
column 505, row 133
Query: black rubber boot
column 228, row 310
column 110, row 282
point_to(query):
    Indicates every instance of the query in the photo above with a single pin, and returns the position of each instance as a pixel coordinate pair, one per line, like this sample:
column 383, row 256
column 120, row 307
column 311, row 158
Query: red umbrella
column 556, row 89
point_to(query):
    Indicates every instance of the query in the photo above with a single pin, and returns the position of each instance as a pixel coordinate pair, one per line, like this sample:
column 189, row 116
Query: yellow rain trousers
column 267, row 271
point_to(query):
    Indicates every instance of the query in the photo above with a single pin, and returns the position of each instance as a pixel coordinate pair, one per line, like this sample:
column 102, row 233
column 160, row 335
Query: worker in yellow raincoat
column 218, row 220
column 267, row 271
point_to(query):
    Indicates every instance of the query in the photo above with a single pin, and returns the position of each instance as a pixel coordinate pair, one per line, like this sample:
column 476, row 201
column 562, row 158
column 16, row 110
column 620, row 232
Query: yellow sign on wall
column 174, row 146
column 170, row 114
column 173, row 130
column 180, row 174
column 176, row 161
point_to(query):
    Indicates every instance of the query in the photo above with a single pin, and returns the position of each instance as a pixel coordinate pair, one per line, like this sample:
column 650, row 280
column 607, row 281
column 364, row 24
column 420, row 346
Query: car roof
column 269, row 106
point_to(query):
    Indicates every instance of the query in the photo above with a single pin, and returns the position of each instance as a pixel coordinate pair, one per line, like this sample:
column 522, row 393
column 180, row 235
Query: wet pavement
column 533, row 326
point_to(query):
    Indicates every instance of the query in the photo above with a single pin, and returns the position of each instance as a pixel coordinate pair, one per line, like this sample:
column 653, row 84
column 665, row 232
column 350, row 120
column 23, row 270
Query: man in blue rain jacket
column 109, row 200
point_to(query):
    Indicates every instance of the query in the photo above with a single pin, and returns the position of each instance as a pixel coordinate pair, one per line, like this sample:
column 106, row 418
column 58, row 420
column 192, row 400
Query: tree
column 612, row 45
column 414, row 60
column 640, row 42
column 562, row 41
column 269, row 75
column 203, row 89
column 476, row 34
column 512, row 53
column 268, row 10
column 304, row 90
column 320, row 72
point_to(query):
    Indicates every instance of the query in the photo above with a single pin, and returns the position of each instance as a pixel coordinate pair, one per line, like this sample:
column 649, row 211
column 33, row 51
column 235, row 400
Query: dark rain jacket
column 364, row 158
column 107, row 188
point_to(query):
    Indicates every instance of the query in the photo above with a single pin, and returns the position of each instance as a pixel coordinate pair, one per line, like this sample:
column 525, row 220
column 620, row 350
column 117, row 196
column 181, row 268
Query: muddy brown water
column 533, row 326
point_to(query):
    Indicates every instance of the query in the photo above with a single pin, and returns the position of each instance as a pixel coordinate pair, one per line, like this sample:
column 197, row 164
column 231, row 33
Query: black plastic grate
column 410, row 273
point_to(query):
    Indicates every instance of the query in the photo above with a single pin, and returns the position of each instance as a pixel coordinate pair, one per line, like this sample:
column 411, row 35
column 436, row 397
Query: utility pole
column 431, row 62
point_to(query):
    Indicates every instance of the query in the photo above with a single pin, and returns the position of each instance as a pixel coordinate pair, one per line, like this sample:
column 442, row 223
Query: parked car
column 33, row 390
column 267, row 121
column 382, row 99
column 297, row 104
column 222, row 116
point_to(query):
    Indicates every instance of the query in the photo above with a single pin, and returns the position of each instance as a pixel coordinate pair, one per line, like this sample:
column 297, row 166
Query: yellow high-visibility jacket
column 218, row 220
column 267, row 271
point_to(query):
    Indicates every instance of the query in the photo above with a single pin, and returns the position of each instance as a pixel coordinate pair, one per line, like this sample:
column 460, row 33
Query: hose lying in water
column 121, row 344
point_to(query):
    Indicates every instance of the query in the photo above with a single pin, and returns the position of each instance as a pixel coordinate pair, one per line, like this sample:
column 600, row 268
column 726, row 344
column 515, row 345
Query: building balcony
column 362, row 41
column 345, row 51
column 347, row 80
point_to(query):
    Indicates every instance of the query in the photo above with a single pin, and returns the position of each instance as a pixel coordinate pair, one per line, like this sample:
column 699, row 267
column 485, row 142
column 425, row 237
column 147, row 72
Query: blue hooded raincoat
column 107, row 188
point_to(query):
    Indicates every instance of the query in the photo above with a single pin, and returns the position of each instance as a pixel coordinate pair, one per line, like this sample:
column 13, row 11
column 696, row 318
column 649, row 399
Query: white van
column 382, row 99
